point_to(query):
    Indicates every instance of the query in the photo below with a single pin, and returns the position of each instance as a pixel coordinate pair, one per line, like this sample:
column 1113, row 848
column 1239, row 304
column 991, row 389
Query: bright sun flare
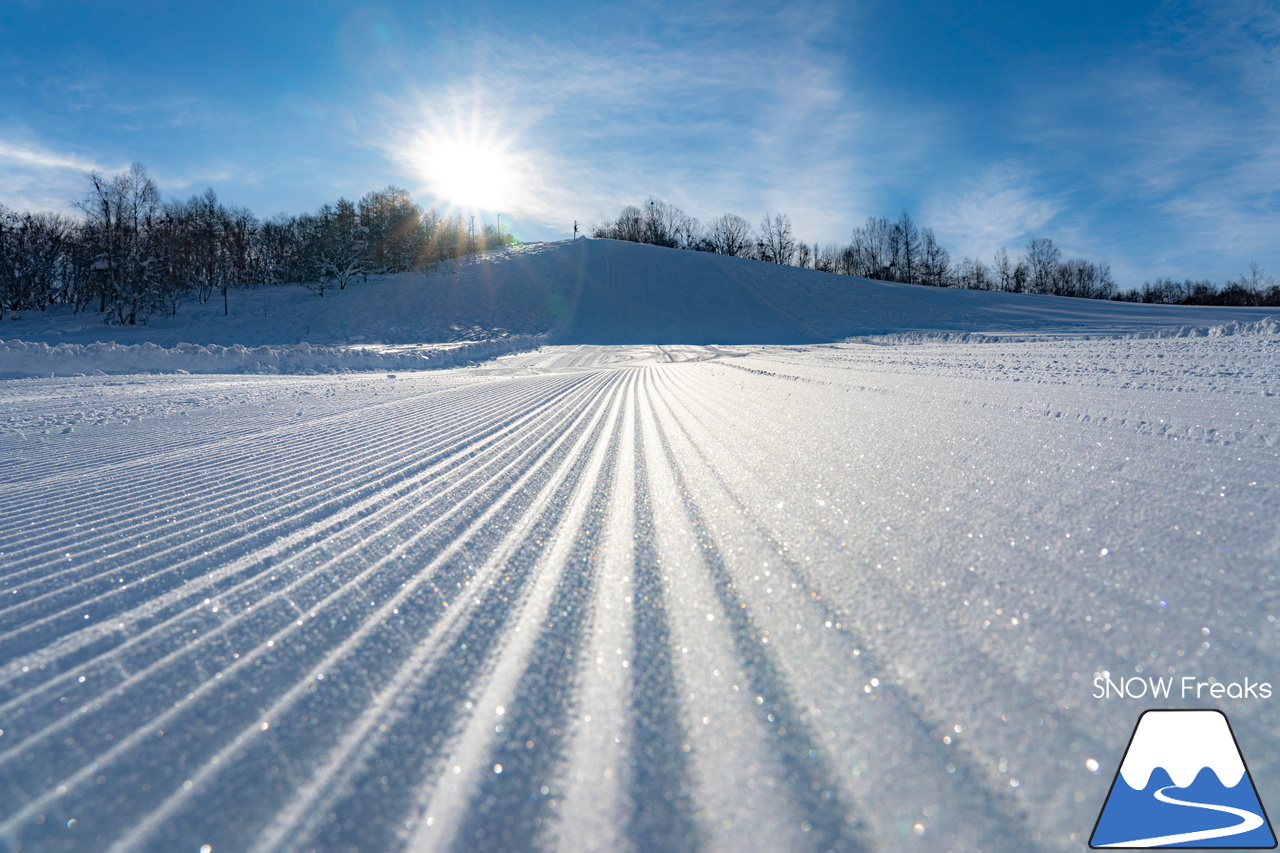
column 469, row 174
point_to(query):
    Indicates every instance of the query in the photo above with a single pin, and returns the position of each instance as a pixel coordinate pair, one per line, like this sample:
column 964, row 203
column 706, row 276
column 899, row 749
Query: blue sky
column 1144, row 134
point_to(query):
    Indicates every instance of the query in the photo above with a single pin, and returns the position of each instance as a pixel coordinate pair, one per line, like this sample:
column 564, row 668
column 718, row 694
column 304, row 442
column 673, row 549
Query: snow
column 584, row 291
column 22, row 359
column 667, row 595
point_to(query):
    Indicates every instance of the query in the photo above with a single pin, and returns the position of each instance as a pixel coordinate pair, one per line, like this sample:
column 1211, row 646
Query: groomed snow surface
column 838, row 597
column 630, row 597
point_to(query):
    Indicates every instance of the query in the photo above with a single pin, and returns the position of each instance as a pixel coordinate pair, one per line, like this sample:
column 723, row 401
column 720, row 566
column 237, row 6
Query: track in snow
column 836, row 598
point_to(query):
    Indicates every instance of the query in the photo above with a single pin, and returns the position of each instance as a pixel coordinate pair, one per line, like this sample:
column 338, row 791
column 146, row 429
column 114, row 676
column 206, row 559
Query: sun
column 468, row 172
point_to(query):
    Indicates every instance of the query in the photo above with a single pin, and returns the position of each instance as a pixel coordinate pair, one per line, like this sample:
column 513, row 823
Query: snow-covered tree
column 33, row 255
column 120, row 212
column 341, row 254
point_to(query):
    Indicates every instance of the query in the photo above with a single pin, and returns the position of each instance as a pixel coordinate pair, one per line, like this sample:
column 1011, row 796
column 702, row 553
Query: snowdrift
column 19, row 359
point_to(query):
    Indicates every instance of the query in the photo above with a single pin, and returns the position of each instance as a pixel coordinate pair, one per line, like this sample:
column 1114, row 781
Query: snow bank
column 19, row 359
column 1266, row 327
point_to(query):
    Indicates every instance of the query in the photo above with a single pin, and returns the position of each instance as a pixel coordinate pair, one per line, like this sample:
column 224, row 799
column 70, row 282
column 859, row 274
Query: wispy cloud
column 1234, row 203
column 32, row 155
column 1003, row 207
column 39, row 178
column 1171, row 152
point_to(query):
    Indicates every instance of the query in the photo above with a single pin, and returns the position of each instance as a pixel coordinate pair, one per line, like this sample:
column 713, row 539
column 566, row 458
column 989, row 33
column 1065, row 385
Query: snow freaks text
column 1106, row 686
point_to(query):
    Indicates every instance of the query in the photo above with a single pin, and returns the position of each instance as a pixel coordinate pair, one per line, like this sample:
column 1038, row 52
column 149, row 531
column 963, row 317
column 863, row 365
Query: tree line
column 901, row 250
column 1252, row 289
column 129, row 254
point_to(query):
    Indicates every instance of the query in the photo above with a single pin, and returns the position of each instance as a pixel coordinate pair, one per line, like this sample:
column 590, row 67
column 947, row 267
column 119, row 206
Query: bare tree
column 1254, row 289
column 804, row 256
column 656, row 223
column 173, row 236
column 973, row 274
column 1002, row 270
column 730, row 234
column 870, row 251
column 209, row 222
column 391, row 223
column 629, row 226
column 778, row 243
column 826, row 258
column 493, row 236
column 906, row 249
column 1021, row 277
column 240, row 229
column 1042, row 259
column 669, row 226
column 935, row 261
column 285, row 245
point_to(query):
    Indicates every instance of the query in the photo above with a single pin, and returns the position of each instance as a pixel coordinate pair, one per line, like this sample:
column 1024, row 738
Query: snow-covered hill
column 585, row 291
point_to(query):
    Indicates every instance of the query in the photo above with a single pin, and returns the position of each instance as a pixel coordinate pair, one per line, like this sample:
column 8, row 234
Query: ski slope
column 714, row 597
column 577, row 291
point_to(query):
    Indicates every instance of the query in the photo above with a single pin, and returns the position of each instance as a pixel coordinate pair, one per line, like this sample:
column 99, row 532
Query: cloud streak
column 1004, row 207
column 39, row 178
column 1168, row 157
column 29, row 155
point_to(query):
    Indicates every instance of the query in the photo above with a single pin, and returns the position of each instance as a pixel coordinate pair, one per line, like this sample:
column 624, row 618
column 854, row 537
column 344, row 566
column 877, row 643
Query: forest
column 130, row 255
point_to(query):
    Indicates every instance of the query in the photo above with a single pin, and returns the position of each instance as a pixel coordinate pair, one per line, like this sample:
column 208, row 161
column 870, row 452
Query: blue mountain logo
column 1183, row 783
